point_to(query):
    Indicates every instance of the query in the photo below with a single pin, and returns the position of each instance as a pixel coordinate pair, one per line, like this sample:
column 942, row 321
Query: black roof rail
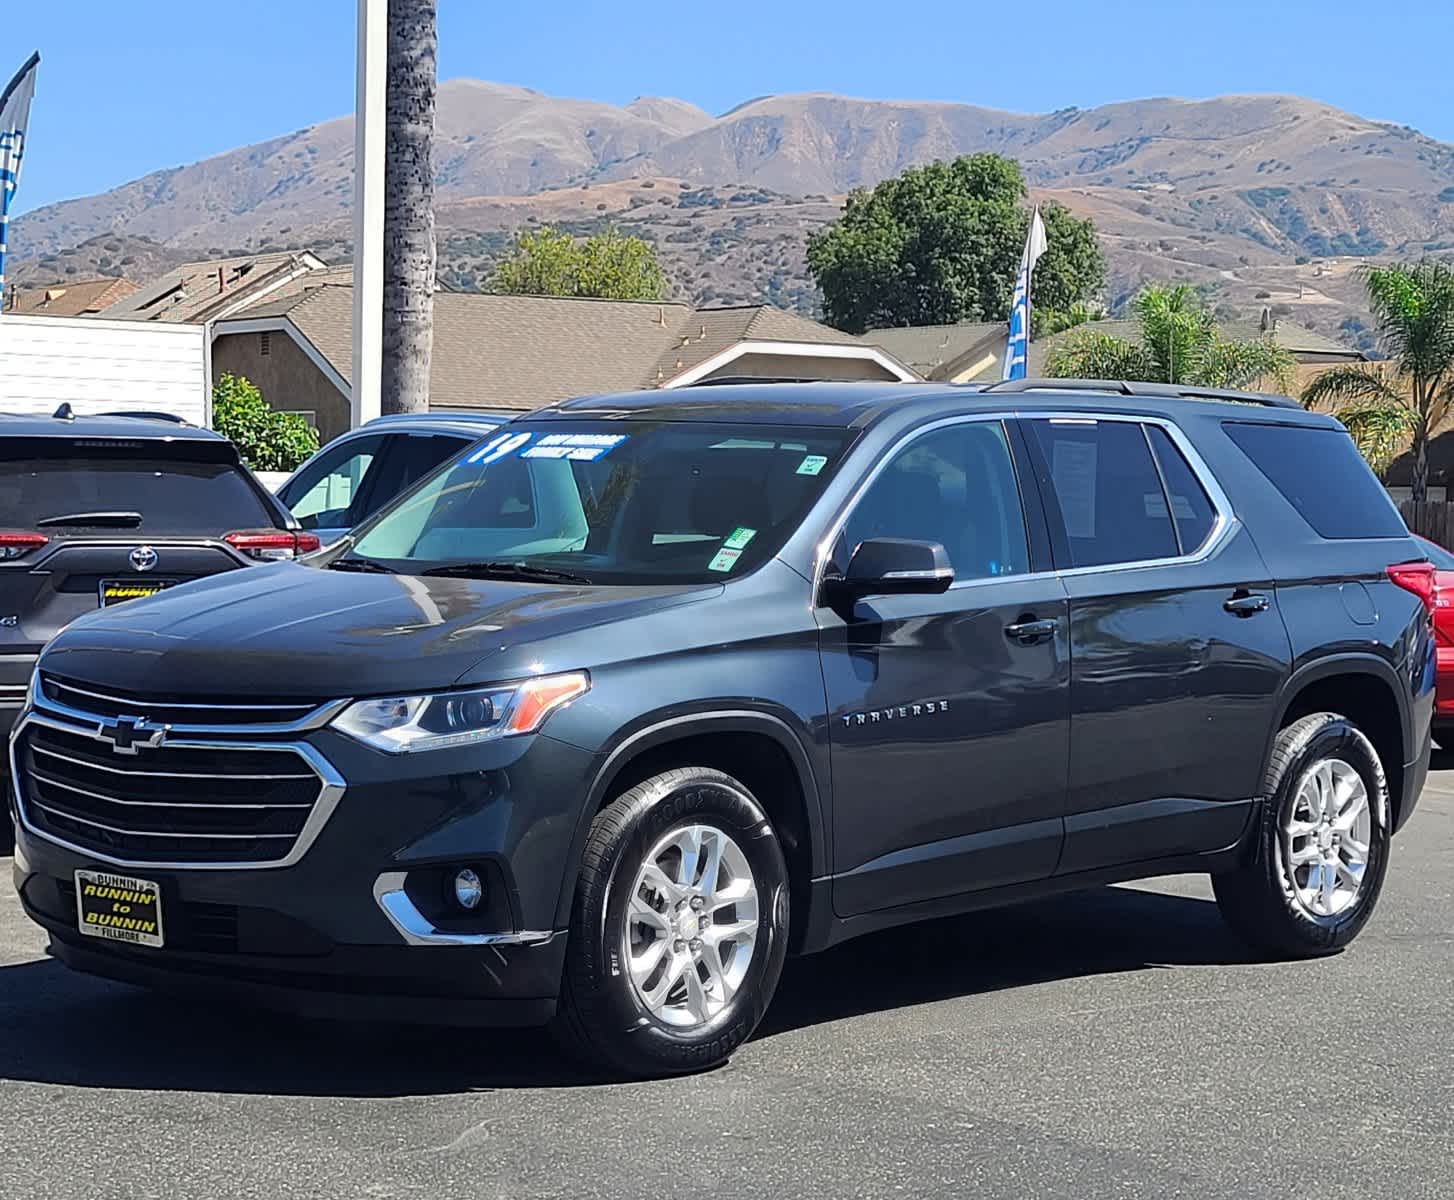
column 142, row 415
column 1165, row 391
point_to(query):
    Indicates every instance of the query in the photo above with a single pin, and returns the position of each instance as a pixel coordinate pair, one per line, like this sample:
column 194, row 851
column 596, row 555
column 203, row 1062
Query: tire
column 1280, row 901
column 627, row 1000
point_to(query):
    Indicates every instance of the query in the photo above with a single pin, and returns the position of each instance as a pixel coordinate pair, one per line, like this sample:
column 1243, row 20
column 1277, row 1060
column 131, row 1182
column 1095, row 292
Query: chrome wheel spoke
column 660, row 882
column 1353, row 874
column 1304, row 855
column 643, row 913
column 1355, row 851
column 718, row 988
column 1327, row 888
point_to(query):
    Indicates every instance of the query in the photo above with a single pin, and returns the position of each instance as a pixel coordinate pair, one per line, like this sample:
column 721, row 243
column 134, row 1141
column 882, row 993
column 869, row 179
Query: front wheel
column 1323, row 844
column 679, row 926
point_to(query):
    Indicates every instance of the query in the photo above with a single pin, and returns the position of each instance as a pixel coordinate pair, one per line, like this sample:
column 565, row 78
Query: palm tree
column 409, row 250
column 1180, row 343
column 1413, row 304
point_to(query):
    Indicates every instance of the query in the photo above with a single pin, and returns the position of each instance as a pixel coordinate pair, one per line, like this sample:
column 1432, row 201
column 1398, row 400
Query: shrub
column 266, row 439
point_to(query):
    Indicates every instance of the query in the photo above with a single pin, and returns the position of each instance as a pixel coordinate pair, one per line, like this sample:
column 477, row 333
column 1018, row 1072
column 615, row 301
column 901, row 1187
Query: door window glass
column 955, row 486
column 1106, row 489
column 1191, row 508
column 323, row 495
column 405, row 461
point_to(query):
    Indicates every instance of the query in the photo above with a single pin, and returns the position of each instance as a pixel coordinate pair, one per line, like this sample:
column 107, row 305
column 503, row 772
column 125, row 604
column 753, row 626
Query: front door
column 1179, row 651
column 948, row 713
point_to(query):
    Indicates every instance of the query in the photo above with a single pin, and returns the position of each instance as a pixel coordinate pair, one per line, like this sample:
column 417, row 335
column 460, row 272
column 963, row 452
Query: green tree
column 1180, row 343
column 266, row 439
column 941, row 244
column 1413, row 307
column 608, row 266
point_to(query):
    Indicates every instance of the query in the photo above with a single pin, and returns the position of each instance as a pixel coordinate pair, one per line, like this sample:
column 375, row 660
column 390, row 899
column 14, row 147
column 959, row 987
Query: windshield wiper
column 361, row 564
column 114, row 520
column 506, row 570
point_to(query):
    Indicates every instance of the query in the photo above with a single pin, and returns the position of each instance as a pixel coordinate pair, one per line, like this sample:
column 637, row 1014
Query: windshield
column 610, row 502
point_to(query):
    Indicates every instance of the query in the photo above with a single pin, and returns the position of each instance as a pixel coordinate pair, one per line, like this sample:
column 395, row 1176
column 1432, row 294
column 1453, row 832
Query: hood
column 289, row 631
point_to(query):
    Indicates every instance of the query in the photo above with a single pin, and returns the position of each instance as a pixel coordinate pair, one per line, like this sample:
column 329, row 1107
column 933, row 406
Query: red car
column 1443, row 609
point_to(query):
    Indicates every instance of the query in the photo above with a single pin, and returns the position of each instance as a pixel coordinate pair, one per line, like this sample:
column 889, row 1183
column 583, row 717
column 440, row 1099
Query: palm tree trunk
column 409, row 250
column 1419, row 484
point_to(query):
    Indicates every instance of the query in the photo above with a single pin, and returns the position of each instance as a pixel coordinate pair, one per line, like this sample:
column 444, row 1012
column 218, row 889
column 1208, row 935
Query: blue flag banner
column 14, row 117
column 1019, row 344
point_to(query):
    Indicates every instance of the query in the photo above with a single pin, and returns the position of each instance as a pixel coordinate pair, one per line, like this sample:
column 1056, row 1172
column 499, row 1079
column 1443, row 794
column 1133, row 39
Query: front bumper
column 345, row 930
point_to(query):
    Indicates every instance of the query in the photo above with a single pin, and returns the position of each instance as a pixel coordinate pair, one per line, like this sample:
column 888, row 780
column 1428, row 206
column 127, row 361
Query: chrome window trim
column 331, row 791
column 315, row 719
column 415, row 929
column 1224, row 521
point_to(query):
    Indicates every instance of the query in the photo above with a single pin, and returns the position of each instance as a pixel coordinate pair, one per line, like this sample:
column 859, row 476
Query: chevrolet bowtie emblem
column 130, row 734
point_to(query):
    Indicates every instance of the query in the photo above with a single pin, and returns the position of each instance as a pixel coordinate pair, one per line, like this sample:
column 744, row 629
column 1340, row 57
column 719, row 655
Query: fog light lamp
column 469, row 890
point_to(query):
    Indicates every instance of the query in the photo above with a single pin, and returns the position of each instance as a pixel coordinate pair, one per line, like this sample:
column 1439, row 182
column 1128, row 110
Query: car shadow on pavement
column 60, row 1028
column 1098, row 932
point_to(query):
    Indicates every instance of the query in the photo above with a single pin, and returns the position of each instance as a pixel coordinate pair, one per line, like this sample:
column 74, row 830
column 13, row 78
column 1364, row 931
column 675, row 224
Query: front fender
column 660, row 729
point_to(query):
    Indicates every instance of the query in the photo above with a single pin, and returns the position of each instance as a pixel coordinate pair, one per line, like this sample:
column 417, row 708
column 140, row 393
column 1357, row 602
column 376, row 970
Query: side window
column 1191, row 508
column 955, row 486
column 1104, row 483
column 323, row 493
column 406, row 459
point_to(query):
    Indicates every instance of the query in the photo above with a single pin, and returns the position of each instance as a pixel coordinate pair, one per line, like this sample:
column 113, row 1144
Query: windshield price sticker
column 739, row 538
column 812, row 464
column 501, row 446
column 725, row 560
column 577, row 447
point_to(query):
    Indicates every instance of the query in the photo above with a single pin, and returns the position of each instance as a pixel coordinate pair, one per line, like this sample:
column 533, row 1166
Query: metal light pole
column 368, row 208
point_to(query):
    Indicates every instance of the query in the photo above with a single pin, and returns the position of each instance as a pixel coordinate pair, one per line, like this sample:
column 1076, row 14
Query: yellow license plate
column 119, row 908
column 117, row 591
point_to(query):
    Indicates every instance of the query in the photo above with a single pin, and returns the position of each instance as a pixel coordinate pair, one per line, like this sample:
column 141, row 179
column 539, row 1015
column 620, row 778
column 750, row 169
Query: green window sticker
column 725, row 560
column 812, row 464
column 739, row 538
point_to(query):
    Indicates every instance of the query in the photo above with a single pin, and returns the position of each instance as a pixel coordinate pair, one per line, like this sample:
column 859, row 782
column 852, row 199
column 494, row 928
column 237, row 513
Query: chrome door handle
column 1028, row 632
column 1246, row 604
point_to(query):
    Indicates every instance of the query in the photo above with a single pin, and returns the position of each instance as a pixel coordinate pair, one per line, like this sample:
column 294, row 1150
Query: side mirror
column 895, row 567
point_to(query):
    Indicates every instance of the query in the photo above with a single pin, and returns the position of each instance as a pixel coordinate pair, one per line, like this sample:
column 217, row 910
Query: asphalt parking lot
column 1115, row 1043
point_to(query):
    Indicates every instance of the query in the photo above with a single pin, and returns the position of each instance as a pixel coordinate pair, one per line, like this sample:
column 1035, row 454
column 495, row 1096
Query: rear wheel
column 679, row 926
column 1323, row 843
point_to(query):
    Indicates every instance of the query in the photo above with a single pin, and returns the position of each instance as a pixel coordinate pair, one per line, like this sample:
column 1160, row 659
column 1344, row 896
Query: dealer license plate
column 119, row 908
column 115, row 591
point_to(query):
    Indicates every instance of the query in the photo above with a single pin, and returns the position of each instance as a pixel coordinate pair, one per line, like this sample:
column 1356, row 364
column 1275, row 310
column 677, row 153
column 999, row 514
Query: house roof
column 522, row 352
column 78, row 299
column 935, row 350
column 197, row 292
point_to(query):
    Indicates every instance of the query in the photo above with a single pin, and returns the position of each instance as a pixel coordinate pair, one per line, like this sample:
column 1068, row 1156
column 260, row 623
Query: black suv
column 97, row 510
column 602, row 719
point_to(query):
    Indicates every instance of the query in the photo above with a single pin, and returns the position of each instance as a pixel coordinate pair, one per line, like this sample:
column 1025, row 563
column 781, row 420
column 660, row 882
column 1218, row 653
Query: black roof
column 112, row 425
column 857, row 405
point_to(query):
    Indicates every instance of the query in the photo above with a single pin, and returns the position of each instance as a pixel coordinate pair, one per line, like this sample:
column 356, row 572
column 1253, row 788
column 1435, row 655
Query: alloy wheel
column 1325, row 837
column 691, row 925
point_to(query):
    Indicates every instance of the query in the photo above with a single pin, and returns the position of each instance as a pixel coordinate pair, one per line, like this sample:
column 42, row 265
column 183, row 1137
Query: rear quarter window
column 1321, row 474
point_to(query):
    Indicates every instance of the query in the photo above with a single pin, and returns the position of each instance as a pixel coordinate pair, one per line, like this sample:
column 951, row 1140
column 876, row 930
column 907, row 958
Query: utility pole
column 371, row 69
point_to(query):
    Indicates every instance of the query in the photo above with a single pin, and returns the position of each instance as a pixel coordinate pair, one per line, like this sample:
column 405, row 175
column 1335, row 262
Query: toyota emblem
column 143, row 558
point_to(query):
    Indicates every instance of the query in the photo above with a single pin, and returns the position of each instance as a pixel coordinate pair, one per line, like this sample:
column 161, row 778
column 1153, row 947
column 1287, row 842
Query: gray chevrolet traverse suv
column 601, row 720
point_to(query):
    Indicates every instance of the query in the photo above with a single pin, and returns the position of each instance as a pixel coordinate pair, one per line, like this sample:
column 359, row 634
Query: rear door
column 120, row 517
column 1178, row 651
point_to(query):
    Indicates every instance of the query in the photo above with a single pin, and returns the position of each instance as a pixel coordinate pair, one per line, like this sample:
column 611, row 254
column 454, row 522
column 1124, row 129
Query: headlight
column 404, row 724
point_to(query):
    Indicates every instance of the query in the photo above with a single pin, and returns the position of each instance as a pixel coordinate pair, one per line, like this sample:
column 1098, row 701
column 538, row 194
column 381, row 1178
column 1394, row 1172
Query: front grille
column 242, row 715
column 245, row 804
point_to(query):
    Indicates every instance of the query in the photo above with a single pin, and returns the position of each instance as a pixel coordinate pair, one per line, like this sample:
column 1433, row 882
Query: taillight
column 270, row 545
column 15, row 544
column 1419, row 578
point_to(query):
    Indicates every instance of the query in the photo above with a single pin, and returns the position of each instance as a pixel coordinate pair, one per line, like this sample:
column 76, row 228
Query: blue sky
column 131, row 86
